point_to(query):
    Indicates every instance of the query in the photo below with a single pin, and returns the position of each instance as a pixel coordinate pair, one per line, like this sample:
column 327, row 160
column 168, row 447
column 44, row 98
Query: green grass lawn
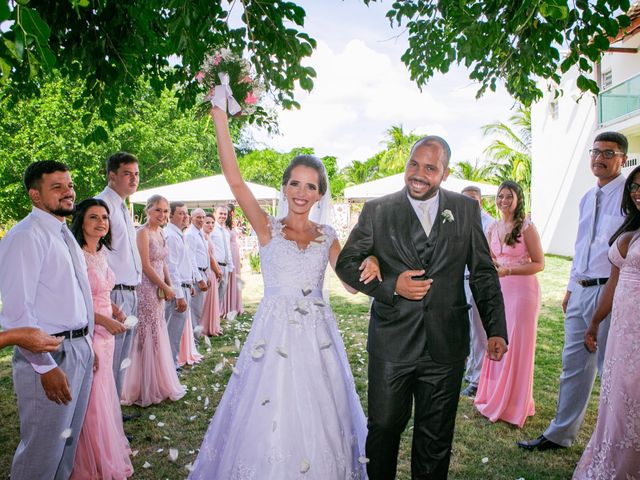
column 185, row 422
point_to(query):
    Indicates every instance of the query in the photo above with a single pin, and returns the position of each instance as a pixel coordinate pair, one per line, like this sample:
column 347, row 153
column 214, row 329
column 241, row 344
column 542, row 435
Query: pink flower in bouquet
column 250, row 99
column 217, row 59
column 246, row 79
column 199, row 77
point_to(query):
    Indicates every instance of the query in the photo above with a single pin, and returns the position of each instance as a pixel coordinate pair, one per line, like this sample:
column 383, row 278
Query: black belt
column 81, row 332
column 202, row 269
column 186, row 285
column 124, row 287
column 222, row 264
column 592, row 282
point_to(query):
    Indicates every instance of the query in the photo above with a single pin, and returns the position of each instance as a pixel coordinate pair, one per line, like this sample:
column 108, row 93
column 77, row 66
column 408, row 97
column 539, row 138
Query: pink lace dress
column 232, row 301
column 103, row 450
column 505, row 388
column 614, row 449
column 151, row 377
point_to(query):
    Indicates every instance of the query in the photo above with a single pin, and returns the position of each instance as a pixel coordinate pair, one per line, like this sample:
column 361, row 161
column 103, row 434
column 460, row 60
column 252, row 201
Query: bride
column 290, row 409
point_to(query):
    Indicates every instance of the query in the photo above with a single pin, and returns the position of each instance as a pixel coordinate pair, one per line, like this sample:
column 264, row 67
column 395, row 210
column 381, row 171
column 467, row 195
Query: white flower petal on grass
column 126, row 363
column 189, row 467
column 131, row 321
column 325, row 345
column 66, row 433
column 161, row 424
column 237, row 343
column 160, row 450
column 218, row 368
column 231, row 316
column 173, row 454
column 199, row 398
column 282, row 352
column 146, row 465
column 135, row 452
column 191, row 452
column 206, row 403
column 304, row 466
column 152, row 417
column 192, row 418
column 207, row 342
column 363, row 460
column 485, row 460
column 166, row 438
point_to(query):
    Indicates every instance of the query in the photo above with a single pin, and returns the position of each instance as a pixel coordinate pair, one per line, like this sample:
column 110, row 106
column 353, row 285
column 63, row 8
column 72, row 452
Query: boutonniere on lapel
column 447, row 216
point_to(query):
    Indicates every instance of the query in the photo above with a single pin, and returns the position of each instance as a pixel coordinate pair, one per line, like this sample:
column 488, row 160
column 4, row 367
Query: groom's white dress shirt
column 38, row 283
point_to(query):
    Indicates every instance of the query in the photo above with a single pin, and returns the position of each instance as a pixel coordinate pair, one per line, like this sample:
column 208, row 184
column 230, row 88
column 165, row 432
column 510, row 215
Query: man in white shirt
column 477, row 337
column 200, row 253
column 124, row 258
column 600, row 217
column 44, row 284
column 183, row 272
column 222, row 246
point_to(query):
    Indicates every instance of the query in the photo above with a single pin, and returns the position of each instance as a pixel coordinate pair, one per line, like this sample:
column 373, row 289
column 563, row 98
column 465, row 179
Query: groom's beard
column 431, row 190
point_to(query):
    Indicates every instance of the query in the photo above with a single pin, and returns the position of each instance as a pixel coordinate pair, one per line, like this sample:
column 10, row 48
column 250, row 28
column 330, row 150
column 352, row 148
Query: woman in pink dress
column 103, row 450
column 232, row 301
column 211, row 314
column 505, row 389
column 151, row 376
column 614, row 449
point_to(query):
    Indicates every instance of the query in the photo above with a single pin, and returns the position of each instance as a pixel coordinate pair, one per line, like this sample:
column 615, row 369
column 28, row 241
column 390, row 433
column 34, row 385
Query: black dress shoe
column 541, row 443
column 470, row 391
column 126, row 418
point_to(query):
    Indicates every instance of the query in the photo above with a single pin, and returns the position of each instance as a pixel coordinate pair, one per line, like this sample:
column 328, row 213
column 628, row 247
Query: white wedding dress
column 290, row 409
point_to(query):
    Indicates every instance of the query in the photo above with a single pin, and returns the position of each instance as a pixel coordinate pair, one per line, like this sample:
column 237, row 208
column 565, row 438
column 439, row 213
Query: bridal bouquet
column 228, row 82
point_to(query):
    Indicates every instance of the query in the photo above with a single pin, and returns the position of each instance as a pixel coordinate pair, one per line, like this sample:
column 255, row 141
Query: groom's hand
column 412, row 289
column 496, row 348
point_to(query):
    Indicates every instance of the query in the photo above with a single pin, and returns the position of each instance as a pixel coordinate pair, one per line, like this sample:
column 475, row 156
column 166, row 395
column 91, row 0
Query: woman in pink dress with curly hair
column 151, row 376
column 505, row 389
column 103, row 450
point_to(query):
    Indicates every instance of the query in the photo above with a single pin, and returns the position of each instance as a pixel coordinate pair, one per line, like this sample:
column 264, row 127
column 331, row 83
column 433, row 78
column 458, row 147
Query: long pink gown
column 103, row 450
column 210, row 320
column 614, row 449
column 232, row 301
column 505, row 388
column 151, row 377
column 188, row 354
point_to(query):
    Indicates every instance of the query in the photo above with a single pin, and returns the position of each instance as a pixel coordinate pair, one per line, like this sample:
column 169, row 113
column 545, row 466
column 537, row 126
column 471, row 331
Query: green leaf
column 5, row 11
column 86, row 119
column 6, row 70
column 601, row 42
column 33, row 25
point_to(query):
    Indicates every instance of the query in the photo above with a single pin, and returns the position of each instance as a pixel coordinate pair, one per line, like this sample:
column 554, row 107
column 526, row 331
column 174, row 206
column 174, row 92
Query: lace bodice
column 284, row 264
column 630, row 265
column 508, row 255
column 101, row 280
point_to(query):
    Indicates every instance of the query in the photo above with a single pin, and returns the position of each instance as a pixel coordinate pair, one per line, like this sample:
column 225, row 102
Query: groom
column 423, row 237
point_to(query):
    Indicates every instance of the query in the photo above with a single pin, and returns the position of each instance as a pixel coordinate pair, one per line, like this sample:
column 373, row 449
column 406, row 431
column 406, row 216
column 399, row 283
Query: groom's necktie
column 80, row 272
column 425, row 218
column 592, row 231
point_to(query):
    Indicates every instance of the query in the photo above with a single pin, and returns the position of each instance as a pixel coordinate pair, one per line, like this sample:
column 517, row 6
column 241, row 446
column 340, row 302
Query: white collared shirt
column 222, row 246
column 123, row 244
column 199, row 249
column 432, row 203
column 38, row 283
column 609, row 220
column 181, row 263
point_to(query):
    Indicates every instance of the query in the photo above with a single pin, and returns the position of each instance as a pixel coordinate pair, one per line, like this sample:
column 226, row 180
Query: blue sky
column 363, row 88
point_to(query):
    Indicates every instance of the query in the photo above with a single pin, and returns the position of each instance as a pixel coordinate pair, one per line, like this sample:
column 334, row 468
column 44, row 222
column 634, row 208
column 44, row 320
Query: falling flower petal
column 265, row 401
column 126, row 363
column 231, row 316
column 485, row 460
column 206, row 403
column 363, row 460
column 325, row 345
column 282, row 352
column 304, row 466
column 146, row 465
column 161, row 424
column 66, row 433
column 131, row 321
column 173, row 454
column 152, row 417
column 237, row 343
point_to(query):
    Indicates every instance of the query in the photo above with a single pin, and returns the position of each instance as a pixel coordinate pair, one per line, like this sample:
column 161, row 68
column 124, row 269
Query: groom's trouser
column 578, row 365
column 393, row 386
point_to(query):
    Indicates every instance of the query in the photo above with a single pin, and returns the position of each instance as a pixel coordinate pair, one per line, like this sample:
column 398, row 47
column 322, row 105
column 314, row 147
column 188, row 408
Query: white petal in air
column 173, row 454
column 304, row 466
column 131, row 321
column 126, row 363
column 282, row 352
column 231, row 316
column 66, row 433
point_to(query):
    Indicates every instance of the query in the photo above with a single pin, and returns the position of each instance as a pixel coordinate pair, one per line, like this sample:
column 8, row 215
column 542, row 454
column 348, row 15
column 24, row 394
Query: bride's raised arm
column 255, row 214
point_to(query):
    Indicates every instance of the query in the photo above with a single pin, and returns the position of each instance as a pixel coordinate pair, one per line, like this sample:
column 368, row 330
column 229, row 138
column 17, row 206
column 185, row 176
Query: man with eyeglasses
column 600, row 217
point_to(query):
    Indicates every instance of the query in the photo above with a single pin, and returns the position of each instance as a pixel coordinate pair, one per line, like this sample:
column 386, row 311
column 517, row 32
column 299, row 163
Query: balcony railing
column 620, row 101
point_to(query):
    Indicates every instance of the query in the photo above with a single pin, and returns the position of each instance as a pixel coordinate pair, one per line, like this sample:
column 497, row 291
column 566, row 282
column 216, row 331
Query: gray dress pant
column 127, row 301
column 197, row 306
column 175, row 323
column 43, row 453
column 222, row 285
column 578, row 365
column 477, row 340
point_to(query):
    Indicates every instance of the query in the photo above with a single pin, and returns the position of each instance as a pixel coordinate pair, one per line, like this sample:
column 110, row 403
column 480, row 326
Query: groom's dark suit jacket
column 400, row 328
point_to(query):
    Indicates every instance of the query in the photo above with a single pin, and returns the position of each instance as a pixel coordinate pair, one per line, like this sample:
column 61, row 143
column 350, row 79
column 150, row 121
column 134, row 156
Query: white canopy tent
column 394, row 183
column 205, row 192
